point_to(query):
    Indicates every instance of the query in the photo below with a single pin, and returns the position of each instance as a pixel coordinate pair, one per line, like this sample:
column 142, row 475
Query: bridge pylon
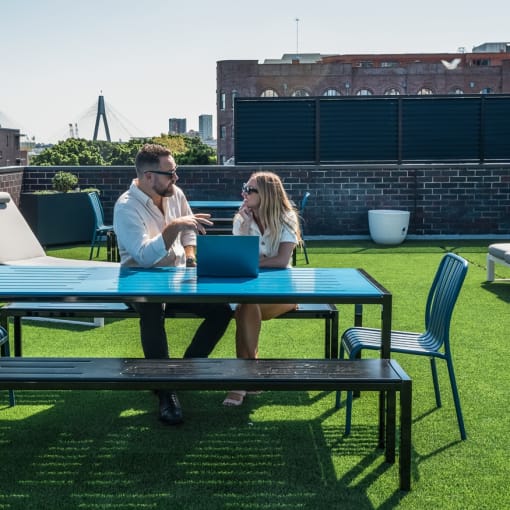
column 101, row 113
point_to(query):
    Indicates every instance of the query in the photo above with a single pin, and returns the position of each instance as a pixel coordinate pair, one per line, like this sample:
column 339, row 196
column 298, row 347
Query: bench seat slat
column 206, row 374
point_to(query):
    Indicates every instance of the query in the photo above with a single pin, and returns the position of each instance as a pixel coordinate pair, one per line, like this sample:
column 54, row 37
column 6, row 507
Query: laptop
column 227, row 256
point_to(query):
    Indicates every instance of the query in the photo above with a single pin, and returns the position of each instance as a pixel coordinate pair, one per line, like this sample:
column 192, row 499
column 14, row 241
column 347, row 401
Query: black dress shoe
column 170, row 411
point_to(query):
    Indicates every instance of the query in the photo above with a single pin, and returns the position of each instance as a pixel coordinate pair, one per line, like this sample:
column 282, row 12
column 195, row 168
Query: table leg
column 405, row 435
column 382, row 419
column 391, row 423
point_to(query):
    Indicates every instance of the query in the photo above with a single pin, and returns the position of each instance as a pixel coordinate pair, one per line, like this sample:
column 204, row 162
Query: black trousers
column 152, row 327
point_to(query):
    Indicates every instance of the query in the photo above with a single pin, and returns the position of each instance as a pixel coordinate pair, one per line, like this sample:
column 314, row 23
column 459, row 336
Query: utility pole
column 297, row 37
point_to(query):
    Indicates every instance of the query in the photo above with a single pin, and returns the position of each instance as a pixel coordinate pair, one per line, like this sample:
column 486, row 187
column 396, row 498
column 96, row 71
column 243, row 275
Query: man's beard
column 164, row 192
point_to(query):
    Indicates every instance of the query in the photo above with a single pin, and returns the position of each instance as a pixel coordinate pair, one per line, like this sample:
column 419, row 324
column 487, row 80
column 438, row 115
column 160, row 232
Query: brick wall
column 11, row 180
column 444, row 199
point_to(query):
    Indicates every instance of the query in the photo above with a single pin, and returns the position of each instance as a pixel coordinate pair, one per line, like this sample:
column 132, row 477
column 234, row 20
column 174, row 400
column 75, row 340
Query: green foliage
column 187, row 150
column 197, row 153
column 80, row 152
column 71, row 152
column 64, row 181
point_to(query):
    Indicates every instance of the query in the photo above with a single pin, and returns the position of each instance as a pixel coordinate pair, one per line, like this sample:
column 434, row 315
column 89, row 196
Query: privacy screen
column 315, row 130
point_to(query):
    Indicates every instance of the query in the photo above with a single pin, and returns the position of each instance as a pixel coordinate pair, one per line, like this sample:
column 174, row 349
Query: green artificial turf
column 281, row 450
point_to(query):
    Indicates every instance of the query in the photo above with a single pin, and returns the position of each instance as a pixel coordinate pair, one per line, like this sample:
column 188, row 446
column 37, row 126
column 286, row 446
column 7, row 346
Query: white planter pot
column 388, row 226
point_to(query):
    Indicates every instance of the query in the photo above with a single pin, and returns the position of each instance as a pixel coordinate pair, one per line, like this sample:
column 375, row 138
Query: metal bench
column 18, row 310
column 382, row 375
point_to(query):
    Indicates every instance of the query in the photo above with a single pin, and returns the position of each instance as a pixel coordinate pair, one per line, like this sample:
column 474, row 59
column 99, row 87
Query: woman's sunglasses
column 248, row 189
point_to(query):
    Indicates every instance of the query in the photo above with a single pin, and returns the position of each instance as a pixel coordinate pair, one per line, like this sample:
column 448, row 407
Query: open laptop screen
column 227, row 255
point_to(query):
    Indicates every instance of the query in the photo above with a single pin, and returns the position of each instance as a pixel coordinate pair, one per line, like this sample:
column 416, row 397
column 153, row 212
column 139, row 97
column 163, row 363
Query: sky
column 156, row 59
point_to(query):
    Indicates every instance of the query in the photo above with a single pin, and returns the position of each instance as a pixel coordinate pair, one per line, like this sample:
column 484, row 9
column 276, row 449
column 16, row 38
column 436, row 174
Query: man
column 155, row 227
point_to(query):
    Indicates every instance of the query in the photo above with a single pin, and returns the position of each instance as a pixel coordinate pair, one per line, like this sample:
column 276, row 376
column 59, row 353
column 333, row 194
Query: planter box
column 60, row 218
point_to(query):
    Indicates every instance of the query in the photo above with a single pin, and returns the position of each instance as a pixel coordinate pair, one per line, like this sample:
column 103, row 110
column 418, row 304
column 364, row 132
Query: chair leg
column 456, row 399
column 92, row 246
column 306, row 253
column 435, row 380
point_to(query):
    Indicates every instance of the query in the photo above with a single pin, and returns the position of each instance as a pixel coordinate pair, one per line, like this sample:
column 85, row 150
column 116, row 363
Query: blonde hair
column 275, row 210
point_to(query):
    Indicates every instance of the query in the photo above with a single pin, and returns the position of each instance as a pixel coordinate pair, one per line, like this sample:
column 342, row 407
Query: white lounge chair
column 499, row 253
column 19, row 246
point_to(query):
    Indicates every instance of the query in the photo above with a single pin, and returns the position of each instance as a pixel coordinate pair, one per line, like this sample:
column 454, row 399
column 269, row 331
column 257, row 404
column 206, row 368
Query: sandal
column 234, row 398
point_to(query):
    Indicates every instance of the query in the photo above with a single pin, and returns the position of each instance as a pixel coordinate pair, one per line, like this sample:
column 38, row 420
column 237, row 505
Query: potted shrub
column 64, row 182
column 62, row 215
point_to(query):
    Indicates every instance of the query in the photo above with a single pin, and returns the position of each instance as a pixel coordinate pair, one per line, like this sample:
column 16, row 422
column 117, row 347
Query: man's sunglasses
column 159, row 172
column 248, row 189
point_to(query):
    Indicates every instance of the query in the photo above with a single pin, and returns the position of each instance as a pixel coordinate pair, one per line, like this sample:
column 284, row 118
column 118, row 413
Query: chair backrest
column 97, row 208
column 304, row 200
column 442, row 297
column 18, row 241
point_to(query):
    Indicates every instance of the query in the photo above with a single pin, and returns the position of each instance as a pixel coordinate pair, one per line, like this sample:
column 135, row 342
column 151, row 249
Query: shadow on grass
column 107, row 450
column 501, row 289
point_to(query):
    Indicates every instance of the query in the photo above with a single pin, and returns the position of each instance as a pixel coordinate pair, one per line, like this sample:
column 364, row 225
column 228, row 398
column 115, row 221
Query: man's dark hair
column 148, row 156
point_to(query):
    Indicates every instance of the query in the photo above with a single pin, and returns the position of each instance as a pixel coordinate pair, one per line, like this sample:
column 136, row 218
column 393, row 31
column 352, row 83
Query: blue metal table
column 222, row 213
column 215, row 204
column 115, row 284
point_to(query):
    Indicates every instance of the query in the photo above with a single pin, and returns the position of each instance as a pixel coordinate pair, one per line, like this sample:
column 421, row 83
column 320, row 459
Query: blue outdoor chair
column 433, row 343
column 4, row 351
column 100, row 229
column 304, row 200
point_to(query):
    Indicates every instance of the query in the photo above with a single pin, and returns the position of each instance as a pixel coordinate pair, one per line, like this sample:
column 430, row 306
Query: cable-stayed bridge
column 100, row 121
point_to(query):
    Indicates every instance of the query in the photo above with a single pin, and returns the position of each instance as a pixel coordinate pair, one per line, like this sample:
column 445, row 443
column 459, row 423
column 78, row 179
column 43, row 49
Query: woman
column 268, row 213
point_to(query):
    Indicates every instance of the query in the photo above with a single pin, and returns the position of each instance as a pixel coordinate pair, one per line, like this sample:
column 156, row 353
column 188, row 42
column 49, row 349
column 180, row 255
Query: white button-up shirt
column 250, row 227
column 138, row 224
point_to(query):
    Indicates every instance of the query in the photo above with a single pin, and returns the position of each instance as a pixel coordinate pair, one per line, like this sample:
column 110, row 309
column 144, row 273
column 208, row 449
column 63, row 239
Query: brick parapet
column 444, row 199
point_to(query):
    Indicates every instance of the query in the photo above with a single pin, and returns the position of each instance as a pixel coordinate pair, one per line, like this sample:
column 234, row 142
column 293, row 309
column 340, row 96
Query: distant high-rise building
column 176, row 126
column 205, row 127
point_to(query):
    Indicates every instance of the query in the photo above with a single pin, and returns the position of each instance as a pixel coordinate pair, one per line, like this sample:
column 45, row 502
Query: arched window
column 486, row 90
column 300, row 93
column 424, row 91
column 331, row 92
column 364, row 92
column 456, row 90
column 392, row 92
column 269, row 93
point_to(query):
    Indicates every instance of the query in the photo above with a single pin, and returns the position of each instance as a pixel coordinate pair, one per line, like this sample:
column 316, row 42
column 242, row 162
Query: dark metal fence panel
column 439, row 128
column 268, row 131
column 354, row 130
column 496, row 127
column 379, row 129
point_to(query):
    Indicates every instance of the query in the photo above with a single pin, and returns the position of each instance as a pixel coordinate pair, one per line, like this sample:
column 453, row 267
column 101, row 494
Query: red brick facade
column 448, row 73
